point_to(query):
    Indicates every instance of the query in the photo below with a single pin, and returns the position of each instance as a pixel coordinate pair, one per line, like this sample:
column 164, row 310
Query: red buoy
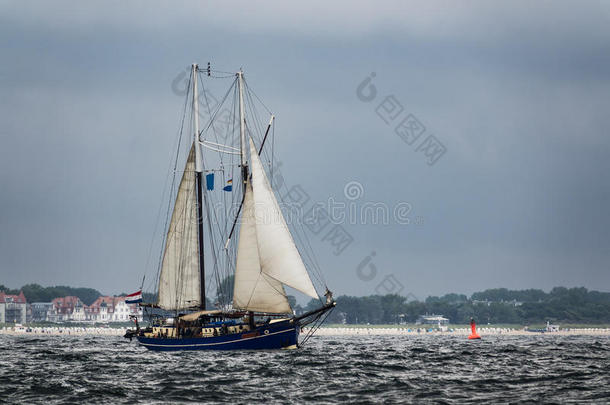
column 473, row 328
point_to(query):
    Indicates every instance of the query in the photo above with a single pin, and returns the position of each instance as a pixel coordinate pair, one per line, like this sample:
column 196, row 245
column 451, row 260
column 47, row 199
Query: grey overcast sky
column 518, row 92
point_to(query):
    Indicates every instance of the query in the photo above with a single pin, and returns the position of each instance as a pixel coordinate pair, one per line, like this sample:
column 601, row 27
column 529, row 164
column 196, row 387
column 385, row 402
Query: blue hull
column 273, row 336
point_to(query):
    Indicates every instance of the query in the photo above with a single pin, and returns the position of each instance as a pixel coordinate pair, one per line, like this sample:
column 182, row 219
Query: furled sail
column 179, row 283
column 278, row 255
column 254, row 290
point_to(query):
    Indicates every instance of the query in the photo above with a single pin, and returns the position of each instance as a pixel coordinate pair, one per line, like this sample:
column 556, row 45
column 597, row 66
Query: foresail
column 254, row 290
column 179, row 283
column 278, row 255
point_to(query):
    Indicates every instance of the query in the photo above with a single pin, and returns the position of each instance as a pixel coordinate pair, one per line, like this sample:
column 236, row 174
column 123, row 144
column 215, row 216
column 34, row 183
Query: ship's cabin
column 206, row 324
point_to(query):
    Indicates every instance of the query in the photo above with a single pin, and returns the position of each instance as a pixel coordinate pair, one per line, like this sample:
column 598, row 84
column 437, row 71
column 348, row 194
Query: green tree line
column 499, row 305
column 37, row 293
column 574, row 305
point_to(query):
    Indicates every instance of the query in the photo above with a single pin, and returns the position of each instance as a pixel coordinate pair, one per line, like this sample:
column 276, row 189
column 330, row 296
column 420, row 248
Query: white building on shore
column 432, row 320
column 112, row 309
column 104, row 309
column 13, row 308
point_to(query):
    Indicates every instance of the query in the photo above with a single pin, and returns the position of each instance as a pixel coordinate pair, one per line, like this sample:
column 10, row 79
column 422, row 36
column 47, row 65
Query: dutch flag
column 134, row 298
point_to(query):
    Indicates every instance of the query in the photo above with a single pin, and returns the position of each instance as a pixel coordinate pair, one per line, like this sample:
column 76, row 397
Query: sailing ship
column 263, row 259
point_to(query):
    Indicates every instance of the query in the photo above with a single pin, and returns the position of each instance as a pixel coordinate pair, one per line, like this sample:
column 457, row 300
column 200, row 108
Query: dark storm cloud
column 518, row 94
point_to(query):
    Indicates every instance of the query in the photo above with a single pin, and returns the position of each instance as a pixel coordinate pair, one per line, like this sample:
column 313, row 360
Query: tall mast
column 242, row 128
column 244, row 161
column 198, row 186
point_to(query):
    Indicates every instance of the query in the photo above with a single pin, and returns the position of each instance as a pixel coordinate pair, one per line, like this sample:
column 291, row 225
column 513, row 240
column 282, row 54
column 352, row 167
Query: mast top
column 198, row 162
column 242, row 126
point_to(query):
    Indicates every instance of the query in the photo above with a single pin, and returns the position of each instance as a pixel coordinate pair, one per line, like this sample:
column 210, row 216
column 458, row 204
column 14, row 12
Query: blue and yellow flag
column 229, row 186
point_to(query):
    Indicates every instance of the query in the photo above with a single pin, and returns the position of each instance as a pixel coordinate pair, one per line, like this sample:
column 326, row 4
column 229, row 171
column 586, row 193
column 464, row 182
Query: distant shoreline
column 489, row 331
column 346, row 330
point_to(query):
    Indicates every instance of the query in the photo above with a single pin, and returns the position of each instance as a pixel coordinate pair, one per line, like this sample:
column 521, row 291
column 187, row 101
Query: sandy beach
column 324, row 331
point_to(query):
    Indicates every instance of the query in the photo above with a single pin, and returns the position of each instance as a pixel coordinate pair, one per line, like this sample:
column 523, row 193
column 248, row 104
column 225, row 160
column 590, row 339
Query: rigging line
column 212, row 117
column 253, row 289
column 304, row 252
column 208, row 72
column 263, row 104
column 240, row 205
column 263, row 153
column 217, row 218
column 261, row 123
column 281, row 292
column 213, row 216
column 222, row 77
column 219, row 145
column 233, row 160
column 218, row 266
column 216, row 149
column 232, row 250
column 221, row 157
column 170, row 191
column 299, row 222
column 311, row 253
column 316, row 270
column 238, row 210
column 221, row 71
column 272, row 149
column 314, row 328
column 215, row 258
column 212, row 242
column 307, row 248
column 218, row 107
column 225, row 266
column 254, row 115
column 264, row 277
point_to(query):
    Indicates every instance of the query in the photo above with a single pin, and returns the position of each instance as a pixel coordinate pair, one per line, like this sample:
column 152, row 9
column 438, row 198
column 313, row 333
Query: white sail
column 254, row 290
column 179, row 284
column 278, row 255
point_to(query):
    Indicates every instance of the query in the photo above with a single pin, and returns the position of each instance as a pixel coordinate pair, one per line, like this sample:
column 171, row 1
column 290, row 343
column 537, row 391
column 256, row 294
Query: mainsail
column 261, row 272
column 179, row 283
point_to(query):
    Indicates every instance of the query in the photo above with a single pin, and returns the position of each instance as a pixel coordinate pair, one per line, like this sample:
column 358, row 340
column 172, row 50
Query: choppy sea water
column 355, row 369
